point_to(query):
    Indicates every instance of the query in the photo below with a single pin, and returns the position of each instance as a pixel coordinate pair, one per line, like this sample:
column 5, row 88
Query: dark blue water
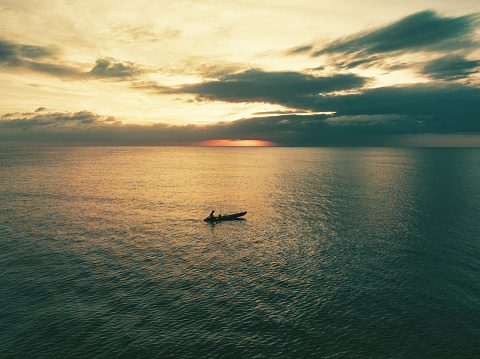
column 344, row 253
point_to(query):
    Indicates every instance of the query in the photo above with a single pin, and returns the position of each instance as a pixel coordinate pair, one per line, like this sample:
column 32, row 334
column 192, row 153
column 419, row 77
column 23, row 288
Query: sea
column 344, row 252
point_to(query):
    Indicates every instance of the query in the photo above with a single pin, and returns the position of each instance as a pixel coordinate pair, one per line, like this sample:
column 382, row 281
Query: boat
column 227, row 217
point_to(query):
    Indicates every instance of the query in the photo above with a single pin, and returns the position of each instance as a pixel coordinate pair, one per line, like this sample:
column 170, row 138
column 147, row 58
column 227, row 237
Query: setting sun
column 236, row 143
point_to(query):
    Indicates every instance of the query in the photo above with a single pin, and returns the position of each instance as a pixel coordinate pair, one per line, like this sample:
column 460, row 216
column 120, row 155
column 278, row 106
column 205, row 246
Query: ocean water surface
column 344, row 253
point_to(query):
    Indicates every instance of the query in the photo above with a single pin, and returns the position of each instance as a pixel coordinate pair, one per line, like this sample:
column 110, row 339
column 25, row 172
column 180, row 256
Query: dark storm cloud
column 454, row 101
column 315, row 130
column 422, row 31
column 45, row 60
column 450, row 68
column 373, row 117
column 378, row 117
column 286, row 87
column 354, row 129
column 418, row 31
column 451, row 102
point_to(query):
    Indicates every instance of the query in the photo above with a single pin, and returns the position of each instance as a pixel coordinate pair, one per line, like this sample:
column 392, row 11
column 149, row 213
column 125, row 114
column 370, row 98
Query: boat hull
column 228, row 217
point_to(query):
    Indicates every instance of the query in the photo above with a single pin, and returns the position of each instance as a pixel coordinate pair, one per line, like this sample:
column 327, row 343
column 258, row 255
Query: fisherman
column 211, row 214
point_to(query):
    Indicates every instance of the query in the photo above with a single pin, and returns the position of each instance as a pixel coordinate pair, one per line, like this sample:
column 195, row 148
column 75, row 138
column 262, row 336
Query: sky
column 284, row 72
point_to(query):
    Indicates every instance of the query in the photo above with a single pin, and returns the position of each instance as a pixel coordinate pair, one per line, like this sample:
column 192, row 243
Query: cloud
column 286, row 88
column 44, row 60
column 19, row 56
column 334, row 109
column 57, row 70
column 203, row 68
column 132, row 34
column 9, row 53
column 12, row 53
column 301, row 49
column 88, row 127
column 348, row 130
column 451, row 67
column 446, row 103
column 52, row 120
column 453, row 102
column 352, row 128
column 424, row 31
column 110, row 68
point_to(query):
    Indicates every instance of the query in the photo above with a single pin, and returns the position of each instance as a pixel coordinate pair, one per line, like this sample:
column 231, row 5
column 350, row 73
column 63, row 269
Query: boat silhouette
column 227, row 217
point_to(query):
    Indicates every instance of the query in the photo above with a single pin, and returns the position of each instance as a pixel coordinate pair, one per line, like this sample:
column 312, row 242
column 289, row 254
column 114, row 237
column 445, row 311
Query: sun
column 236, row 143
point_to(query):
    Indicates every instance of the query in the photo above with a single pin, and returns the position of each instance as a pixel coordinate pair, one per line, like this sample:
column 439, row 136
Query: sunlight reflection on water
column 343, row 252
